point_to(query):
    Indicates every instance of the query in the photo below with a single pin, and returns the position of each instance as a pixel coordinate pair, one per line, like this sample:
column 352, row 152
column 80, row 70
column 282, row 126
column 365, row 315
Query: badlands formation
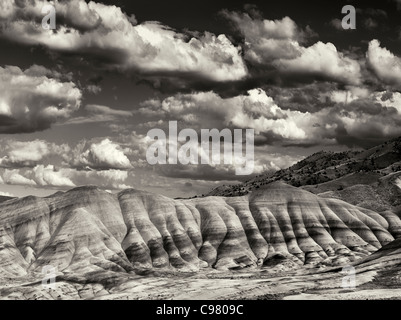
column 276, row 242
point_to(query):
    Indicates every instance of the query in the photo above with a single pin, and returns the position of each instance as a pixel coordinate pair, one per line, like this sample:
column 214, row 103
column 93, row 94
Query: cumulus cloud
column 31, row 101
column 255, row 110
column 64, row 178
column 388, row 99
column 266, row 40
column 281, row 44
column 354, row 117
column 323, row 59
column 114, row 178
column 48, row 176
column 363, row 118
column 29, row 153
column 336, row 106
column 26, row 152
column 385, row 64
column 148, row 48
column 15, row 178
column 218, row 170
column 106, row 179
column 103, row 155
column 43, row 164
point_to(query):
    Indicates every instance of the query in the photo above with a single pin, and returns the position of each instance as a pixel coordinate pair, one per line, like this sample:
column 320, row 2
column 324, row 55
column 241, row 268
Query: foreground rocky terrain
column 283, row 240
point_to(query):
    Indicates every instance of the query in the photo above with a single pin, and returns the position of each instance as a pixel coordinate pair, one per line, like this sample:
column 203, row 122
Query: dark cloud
column 106, row 36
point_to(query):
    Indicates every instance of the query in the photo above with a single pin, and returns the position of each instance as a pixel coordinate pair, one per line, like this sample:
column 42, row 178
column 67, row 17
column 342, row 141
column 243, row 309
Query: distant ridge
column 373, row 177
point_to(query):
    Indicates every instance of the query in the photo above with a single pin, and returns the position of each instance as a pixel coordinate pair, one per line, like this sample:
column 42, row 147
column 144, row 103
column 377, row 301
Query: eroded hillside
column 86, row 230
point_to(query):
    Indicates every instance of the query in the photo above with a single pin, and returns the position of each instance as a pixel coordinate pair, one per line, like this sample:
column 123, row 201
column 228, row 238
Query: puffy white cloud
column 255, row 110
column 107, row 179
column 29, row 153
column 51, row 177
column 14, row 177
column 114, row 178
column 360, row 117
column 280, row 44
column 149, row 48
column 41, row 71
column 323, row 59
column 31, row 101
column 103, row 155
column 347, row 96
column 265, row 161
column 389, row 99
column 385, row 64
column 266, row 40
column 78, row 14
column 355, row 116
column 48, row 176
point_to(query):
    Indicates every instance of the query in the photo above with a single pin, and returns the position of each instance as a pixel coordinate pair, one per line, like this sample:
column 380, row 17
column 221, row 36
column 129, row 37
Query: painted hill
column 87, row 230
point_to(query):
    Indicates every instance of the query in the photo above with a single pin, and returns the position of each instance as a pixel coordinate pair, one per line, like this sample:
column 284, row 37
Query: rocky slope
column 367, row 178
column 87, row 230
column 383, row 195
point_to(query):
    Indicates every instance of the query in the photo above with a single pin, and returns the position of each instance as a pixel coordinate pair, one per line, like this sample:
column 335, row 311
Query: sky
column 77, row 102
